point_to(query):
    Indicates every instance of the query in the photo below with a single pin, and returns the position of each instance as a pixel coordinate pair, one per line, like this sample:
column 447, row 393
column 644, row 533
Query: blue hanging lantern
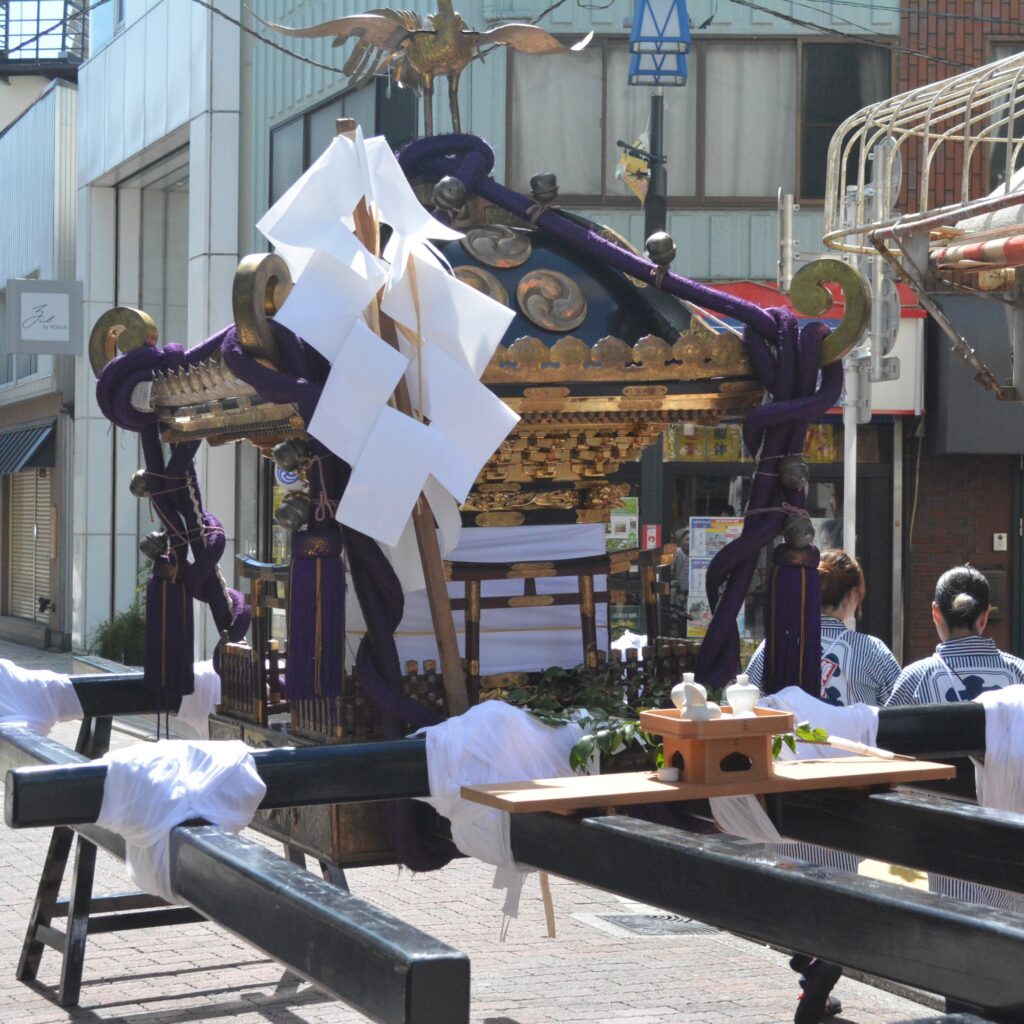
column 657, row 68
column 660, row 27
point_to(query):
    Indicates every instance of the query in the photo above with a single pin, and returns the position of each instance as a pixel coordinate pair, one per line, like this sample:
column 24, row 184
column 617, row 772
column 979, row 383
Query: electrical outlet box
column 998, row 541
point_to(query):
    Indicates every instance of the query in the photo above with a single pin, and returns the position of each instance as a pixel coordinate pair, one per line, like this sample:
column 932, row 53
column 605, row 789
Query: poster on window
column 698, row 607
column 623, row 528
column 708, row 535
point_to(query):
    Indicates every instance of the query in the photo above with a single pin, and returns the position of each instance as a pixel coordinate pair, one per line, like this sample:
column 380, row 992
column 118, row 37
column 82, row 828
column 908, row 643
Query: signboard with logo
column 44, row 317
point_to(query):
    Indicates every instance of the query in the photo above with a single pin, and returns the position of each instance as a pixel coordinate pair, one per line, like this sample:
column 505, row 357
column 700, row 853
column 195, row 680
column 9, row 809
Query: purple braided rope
column 180, row 509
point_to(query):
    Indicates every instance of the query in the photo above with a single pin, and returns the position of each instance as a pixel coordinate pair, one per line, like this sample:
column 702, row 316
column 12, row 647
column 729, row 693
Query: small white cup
column 668, row 774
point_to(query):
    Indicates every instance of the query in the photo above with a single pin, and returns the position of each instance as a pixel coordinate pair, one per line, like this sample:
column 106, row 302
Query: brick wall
column 961, row 502
column 960, row 33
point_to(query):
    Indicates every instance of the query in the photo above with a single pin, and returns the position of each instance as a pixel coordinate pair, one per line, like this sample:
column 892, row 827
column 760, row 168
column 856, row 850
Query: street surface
column 601, row 968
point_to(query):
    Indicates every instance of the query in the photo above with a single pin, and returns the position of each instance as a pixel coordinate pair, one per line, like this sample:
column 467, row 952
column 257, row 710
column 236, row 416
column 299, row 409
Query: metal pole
column 851, row 377
column 655, row 216
column 651, row 473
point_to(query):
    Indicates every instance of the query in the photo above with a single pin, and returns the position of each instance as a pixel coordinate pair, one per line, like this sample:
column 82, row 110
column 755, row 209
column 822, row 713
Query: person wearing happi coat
column 966, row 663
column 856, row 668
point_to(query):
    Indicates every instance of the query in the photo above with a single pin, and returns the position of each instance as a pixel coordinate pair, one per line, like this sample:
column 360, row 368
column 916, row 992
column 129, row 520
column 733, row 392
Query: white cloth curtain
column 751, row 118
column 556, row 104
column 511, row 639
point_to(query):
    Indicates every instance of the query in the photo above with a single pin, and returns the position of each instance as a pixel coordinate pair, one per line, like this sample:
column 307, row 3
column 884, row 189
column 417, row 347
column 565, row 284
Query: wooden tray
column 765, row 722
column 576, row 792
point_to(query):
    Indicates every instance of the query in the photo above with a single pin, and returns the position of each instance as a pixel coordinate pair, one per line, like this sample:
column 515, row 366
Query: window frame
column 696, row 59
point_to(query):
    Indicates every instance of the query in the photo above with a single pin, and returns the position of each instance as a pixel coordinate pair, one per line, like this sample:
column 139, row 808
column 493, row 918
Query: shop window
column 756, row 115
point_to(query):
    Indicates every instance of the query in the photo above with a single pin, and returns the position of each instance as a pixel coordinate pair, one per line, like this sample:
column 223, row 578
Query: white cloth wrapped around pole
column 492, row 742
column 1000, row 777
column 151, row 787
column 197, row 706
column 36, row 698
column 744, row 816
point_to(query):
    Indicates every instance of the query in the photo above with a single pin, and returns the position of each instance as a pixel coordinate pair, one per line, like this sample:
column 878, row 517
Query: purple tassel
column 793, row 621
column 316, row 614
column 169, row 630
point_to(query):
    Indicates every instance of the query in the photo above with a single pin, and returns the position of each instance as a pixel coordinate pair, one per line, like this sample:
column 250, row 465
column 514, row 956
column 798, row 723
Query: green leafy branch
column 804, row 731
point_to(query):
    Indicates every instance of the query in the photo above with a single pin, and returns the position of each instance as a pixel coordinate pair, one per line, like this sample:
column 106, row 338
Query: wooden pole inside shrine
column 452, row 673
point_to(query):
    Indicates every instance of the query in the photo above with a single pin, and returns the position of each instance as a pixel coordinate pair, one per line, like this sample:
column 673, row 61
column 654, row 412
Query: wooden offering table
column 726, row 756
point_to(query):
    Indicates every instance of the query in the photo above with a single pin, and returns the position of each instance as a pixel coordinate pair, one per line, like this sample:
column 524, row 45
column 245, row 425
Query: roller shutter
column 29, row 551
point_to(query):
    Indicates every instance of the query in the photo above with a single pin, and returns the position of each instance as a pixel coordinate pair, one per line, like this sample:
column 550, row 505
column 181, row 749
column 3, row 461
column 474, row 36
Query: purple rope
column 470, row 159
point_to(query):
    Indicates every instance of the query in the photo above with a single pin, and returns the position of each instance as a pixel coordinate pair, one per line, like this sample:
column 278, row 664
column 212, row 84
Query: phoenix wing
column 527, row 39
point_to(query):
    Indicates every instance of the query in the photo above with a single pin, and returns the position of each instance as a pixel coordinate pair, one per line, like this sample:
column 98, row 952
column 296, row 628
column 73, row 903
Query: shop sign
column 44, row 317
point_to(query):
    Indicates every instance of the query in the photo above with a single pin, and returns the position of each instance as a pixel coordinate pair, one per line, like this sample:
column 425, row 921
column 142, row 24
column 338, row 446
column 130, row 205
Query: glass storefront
column 706, row 484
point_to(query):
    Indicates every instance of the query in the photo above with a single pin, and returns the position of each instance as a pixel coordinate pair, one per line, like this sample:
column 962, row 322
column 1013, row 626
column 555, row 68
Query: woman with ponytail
column 966, row 662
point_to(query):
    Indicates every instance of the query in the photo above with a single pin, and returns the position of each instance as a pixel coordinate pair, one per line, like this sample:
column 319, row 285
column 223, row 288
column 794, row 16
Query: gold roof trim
column 692, row 357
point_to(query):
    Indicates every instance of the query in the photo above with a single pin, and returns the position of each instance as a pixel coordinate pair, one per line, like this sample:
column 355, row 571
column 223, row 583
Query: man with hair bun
column 965, row 663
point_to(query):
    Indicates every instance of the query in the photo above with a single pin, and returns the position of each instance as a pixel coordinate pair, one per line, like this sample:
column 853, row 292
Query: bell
column 139, row 485
column 449, row 194
column 544, row 187
column 798, row 532
column 661, row 250
column 290, row 455
column 153, row 545
column 794, row 474
column 293, row 513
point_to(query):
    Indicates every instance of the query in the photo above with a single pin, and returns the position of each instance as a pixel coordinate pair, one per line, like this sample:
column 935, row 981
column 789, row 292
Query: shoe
column 815, row 1003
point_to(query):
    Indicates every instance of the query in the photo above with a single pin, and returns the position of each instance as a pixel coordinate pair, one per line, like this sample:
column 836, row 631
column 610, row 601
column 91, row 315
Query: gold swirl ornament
column 262, row 283
column 552, row 300
column 120, row 329
column 483, row 281
column 810, row 297
column 498, row 246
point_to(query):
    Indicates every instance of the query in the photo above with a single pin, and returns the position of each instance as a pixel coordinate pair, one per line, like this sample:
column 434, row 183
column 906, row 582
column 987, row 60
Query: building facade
column 964, row 483
column 37, row 240
column 158, row 199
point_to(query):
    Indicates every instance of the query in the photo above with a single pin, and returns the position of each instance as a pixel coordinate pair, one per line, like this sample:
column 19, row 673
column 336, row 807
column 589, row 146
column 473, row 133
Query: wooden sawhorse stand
column 85, row 913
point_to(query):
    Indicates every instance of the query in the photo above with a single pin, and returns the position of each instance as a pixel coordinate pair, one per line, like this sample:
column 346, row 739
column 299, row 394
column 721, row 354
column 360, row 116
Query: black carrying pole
column 351, row 949
column 63, row 790
column 962, row 950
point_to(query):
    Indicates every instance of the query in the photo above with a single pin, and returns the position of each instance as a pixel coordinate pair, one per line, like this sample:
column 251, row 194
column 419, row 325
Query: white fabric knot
column 743, row 815
column 492, row 742
column 858, row 722
column 36, row 698
column 1000, row 779
column 197, row 706
column 151, row 787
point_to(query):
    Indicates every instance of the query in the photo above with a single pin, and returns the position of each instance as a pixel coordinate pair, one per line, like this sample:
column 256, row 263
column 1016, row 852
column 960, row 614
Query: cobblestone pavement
column 595, row 970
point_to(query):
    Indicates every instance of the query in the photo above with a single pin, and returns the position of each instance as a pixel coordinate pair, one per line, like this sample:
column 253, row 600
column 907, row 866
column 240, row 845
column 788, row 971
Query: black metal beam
column 120, row 694
column 351, row 949
column 933, row 730
column 67, row 790
column 917, row 830
column 356, row 951
column 913, row 937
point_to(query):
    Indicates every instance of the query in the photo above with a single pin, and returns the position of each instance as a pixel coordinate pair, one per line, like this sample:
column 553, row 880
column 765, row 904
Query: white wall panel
column 27, row 173
column 154, row 29
column 134, row 99
column 113, row 122
column 179, row 61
